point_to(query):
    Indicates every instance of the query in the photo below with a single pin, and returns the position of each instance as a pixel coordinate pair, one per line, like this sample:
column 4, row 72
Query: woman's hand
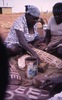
column 37, row 57
column 49, row 48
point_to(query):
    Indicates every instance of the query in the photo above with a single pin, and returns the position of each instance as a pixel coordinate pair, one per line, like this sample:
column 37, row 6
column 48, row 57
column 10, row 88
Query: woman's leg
column 59, row 52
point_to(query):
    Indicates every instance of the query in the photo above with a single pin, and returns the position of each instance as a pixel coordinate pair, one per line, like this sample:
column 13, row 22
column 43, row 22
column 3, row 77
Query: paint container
column 31, row 67
column 44, row 29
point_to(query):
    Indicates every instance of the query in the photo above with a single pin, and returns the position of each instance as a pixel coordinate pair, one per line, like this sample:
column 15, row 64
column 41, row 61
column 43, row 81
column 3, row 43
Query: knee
column 59, row 50
column 13, row 48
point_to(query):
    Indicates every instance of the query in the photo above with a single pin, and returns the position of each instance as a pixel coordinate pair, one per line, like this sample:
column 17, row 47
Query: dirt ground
column 6, row 21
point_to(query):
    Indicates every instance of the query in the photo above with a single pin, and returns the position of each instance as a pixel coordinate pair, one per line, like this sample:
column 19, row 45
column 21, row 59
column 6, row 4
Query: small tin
column 31, row 67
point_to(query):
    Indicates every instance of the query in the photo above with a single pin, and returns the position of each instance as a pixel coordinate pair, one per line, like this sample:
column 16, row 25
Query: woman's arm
column 48, row 36
column 25, row 45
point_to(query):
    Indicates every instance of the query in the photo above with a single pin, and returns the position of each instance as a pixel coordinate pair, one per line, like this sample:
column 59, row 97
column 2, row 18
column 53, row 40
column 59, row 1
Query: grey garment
column 41, row 38
column 56, row 31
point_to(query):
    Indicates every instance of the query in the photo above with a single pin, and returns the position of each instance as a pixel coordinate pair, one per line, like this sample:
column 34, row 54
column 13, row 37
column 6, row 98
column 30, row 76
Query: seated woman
column 24, row 33
column 53, row 37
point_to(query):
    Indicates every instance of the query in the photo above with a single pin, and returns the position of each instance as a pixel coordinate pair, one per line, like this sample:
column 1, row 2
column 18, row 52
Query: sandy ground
column 6, row 21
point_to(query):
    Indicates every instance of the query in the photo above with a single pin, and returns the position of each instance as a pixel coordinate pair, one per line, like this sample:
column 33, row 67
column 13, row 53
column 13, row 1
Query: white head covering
column 32, row 10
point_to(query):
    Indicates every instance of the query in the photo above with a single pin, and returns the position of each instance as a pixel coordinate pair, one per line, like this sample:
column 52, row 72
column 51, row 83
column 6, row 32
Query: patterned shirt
column 20, row 24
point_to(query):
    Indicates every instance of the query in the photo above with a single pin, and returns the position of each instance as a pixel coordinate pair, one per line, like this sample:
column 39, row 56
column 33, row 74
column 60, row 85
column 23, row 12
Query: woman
column 54, row 32
column 23, row 33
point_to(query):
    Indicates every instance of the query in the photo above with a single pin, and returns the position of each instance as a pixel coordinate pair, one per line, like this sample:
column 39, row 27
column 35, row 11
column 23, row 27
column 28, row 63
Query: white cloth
column 57, row 96
column 32, row 10
column 20, row 24
column 56, row 29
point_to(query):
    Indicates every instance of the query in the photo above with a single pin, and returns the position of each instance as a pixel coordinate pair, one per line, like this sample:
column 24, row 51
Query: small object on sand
column 21, row 61
column 31, row 67
column 43, row 67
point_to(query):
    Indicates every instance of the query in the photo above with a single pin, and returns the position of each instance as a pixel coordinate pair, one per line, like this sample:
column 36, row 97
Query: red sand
column 6, row 21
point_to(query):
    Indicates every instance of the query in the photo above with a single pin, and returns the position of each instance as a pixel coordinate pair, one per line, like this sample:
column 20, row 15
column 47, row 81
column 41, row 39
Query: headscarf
column 57, row 8
column 32, row 10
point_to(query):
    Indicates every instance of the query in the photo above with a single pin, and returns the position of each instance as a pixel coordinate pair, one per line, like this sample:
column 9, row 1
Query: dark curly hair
column 57, row 8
